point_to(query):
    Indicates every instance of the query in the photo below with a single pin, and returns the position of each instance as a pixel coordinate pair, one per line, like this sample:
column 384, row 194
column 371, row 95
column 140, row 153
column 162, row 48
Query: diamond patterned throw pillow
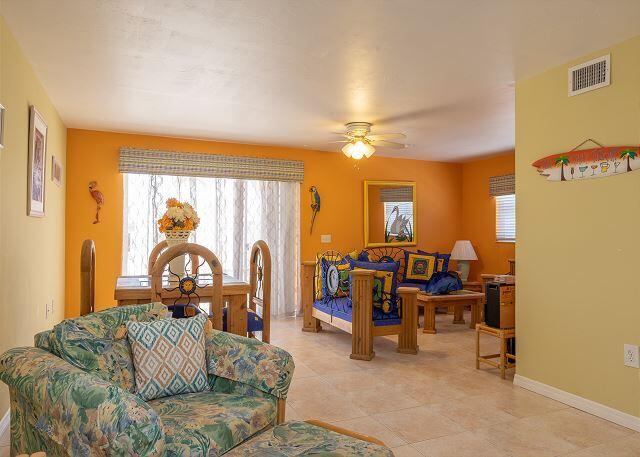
column 168, row 356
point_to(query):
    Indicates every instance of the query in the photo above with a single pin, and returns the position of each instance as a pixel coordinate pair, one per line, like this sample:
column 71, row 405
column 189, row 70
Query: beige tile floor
column 435, row 404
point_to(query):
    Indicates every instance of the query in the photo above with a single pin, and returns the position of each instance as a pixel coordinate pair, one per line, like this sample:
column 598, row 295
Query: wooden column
column 408, row 337
column 362, row 314
column 281, row 409
column 237, row 315
column 309, row 323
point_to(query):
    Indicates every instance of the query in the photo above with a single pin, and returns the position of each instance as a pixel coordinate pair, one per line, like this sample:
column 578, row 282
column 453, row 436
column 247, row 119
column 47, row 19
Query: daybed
column 366, row 295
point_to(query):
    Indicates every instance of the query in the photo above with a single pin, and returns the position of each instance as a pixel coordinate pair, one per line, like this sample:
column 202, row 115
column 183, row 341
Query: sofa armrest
column 249, row 361
column 78, row 410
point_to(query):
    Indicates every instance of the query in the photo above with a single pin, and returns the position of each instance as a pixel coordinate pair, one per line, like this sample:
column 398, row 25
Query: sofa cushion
column 210, row 423
column 169, row 356
column 97, row 342
column 341, row 308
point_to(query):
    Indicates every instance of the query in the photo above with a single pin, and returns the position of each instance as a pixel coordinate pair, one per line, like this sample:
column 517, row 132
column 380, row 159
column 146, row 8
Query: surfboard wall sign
column 589, row 163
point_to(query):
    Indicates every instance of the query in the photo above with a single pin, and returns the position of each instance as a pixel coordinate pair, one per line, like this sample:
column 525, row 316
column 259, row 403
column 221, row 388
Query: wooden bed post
column 280, row 412
column 310, row 323
column 408, row 337
column 362, row 314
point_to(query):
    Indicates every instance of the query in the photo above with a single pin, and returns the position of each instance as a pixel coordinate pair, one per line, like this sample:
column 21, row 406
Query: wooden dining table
column 132, row 290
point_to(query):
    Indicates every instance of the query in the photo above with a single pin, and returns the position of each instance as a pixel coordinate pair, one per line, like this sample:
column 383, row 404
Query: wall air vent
column 590, row 75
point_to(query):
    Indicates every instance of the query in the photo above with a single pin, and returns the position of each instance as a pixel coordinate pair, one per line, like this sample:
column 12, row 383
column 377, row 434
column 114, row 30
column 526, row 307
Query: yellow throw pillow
column 419, row 267
column 382, row 284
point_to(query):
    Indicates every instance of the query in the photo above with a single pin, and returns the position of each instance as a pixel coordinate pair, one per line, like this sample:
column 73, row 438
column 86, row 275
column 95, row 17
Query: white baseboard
column 5, row 425
column 583, row 404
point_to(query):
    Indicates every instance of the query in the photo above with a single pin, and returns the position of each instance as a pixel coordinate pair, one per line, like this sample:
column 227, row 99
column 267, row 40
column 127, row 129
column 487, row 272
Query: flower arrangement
column 180, row 216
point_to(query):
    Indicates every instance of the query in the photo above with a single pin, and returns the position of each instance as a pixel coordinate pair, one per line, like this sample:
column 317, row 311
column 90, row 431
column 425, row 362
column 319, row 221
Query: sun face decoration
column 188, row 287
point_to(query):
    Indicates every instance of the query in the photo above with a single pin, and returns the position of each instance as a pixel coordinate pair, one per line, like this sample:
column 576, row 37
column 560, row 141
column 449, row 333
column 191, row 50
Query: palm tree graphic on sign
column 562, row 161
column 628, row 154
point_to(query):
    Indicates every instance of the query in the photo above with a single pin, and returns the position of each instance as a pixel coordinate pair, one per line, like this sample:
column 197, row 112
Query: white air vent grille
column 590, row 75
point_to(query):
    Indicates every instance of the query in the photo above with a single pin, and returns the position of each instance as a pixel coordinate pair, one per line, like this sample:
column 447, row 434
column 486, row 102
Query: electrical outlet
column 632, row 355
column 48, row 309
column 325, row 239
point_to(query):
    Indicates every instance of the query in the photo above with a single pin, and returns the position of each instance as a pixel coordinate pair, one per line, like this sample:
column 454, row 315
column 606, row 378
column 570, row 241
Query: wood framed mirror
column 390, row 213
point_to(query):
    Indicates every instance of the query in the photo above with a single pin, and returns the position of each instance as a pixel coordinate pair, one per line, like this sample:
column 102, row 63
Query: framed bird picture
column 37, row 163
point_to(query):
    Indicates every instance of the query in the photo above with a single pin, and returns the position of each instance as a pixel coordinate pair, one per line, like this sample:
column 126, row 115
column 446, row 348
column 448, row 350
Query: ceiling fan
column 361, row 143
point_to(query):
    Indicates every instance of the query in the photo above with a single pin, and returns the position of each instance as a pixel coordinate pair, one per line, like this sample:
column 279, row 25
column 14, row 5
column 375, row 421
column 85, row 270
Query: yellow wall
column 32, row 259
column 94, row 156
column 578, row 294
column 479, row 214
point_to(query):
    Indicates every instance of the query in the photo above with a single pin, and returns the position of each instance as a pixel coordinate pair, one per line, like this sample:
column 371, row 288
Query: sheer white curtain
column 234, row 214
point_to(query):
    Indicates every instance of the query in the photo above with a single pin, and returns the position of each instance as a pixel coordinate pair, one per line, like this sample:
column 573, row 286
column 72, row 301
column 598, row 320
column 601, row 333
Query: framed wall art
column 37, row 163
column 56, row 171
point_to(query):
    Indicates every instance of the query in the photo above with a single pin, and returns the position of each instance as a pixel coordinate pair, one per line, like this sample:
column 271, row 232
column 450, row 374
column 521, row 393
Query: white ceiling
column 288, row 72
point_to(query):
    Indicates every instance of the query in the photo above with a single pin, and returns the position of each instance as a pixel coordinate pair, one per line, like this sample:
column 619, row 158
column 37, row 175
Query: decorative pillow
column 382, row 287
column 443, row 262
column 379, row 266
column 169, row 356
column 419, row 267
column 335, row 281
column 318, row 271
column 363, row 256
column 97, row 342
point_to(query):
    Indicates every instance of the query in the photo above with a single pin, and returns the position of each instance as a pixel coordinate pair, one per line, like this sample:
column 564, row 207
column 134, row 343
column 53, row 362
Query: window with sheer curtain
column 234, row 214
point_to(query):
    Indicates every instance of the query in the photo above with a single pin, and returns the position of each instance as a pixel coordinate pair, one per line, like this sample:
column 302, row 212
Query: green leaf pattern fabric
column 78, row 411
column 302, row 439
column 97, row 343
column 249, row 361
column 211, row 423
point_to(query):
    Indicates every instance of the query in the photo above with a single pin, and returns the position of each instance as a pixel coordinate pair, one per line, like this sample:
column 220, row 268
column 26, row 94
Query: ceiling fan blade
column 340, row 141
column 389, row 144
column 340, row 133
column 387, row 136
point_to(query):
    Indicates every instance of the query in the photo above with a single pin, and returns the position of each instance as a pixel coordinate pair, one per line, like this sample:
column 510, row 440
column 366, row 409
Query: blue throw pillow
column 379, row 266
column 335, row 283
column 363, row 256
column 443, row 282
column 443, row 262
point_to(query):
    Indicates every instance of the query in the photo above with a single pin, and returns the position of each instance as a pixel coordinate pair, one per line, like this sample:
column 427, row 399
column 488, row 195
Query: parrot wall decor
column 315, row 205
column 98, row 197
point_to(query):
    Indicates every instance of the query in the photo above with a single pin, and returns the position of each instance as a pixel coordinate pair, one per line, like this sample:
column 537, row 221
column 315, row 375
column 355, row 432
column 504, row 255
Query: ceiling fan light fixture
column 358, row 149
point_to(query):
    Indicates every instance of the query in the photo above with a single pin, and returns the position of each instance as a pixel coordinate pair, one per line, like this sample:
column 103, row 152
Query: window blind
column 192, row 164
column 502, row 185
column 506, row 218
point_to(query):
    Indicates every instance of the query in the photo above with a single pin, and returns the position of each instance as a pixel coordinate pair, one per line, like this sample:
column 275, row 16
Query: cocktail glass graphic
column 594, row 167
column 615, row 166
column 604, row 166
column 582, row 169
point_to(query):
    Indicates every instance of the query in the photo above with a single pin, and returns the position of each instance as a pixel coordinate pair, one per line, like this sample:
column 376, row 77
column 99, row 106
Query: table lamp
column 463, row 252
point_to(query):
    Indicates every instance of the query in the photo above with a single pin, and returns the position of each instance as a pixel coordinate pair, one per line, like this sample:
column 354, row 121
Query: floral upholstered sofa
column 74, row 393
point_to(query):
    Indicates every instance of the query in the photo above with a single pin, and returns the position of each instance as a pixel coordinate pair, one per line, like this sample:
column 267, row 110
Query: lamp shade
column 463, row 250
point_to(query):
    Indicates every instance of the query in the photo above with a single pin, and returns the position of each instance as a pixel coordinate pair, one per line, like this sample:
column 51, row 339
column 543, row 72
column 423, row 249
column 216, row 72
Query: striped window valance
column 154, row 162
column 396, row 194
column 502, row 185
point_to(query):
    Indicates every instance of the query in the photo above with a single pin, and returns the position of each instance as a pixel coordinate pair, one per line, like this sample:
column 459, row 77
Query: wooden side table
column 504, row 357
column 458, row 299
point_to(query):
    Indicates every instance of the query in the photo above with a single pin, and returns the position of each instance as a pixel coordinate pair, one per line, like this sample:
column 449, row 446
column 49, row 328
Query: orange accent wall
column 479, row 214
column 93, row 155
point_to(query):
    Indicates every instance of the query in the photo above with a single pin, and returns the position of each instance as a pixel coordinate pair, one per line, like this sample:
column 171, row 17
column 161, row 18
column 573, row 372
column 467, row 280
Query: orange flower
column 173, row 202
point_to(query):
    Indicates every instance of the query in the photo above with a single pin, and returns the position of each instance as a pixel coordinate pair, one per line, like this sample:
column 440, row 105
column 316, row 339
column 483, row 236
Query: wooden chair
column 161, row 246
column 87, row 277
column 260, row 281
column 183, row 295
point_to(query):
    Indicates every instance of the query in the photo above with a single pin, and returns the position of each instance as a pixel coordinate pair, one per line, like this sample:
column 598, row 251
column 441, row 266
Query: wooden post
column 87, row 277
column 408, row 337
column 362, row 314
column 280, row 413
column 309, row 323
